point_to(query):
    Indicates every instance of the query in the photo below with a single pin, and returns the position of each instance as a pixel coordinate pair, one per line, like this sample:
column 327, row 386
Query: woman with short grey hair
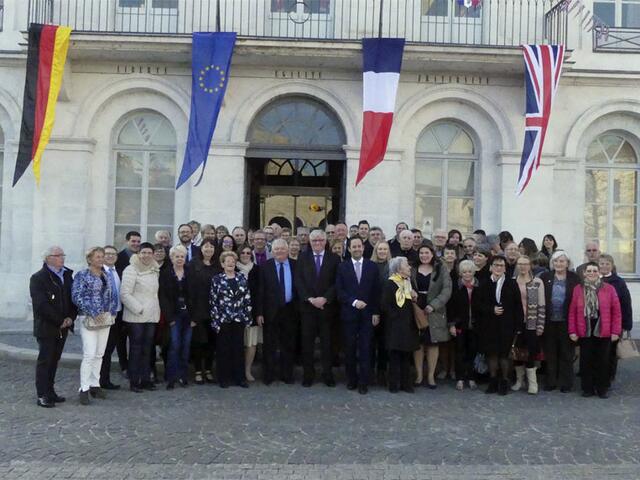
column 559, row 283
column 401, row 331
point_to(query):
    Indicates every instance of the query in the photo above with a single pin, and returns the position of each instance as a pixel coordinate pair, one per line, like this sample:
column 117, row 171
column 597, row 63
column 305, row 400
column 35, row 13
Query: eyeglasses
column 592, row 249
column 110, row 254
column 62, row 255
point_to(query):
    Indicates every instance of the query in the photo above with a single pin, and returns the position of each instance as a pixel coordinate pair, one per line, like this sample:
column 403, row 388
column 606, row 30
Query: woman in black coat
column 203, row 341
column 462, row 312
column 175, row 305
column 401, row 331
column 501, row 316
column 559, row 350
column 607, row 268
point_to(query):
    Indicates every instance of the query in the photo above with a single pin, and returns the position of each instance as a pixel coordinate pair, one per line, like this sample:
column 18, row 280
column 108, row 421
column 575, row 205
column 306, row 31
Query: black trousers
column 399, row 368
column 316, row 324
column 594, row 364
column 379, row 354
column 280, row 333
column 358, row 332
column 230, row 354
column 466, row 351
column 117, row 341
column 558, row 353
column 202, row 353
column 613, row 361
column 49, row 353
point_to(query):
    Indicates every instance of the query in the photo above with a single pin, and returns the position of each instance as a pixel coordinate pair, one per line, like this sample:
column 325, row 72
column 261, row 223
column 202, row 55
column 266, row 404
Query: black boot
column 97, row 392
column 84, row 397
column 493, row 386
column 503, row 387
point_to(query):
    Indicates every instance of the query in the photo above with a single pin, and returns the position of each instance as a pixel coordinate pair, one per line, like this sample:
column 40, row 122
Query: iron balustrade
column 490, row 23
column 616, row 39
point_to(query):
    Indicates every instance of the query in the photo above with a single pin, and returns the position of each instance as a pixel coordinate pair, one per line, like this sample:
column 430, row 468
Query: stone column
column 381, row 197
column 221, row 196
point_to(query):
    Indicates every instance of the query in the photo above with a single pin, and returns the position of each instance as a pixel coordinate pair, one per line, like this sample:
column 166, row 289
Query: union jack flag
column 543, row 64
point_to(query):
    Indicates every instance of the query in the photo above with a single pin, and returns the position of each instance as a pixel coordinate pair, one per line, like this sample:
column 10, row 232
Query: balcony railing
column 556, row 24
column 493, row 23
column 616, row 39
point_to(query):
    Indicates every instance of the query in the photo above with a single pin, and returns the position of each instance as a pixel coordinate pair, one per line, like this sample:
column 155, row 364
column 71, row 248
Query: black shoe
column 288, row 380
column 503, row 387
column 222, row 385
column 330, row 382
column 493, row 386
column 135, row 388
column 110, row 386
column 603, row 394
column 267, row 381
column 307, row 383
column 393, row 389
column 84, row 398
column 45, row 402
column 149, row 386
column 183, row 383
column 565, row 389
column 171, row 385
column 408, row 389
column 57, row 398
column 587, row 394
column 549, row 388
column 363, row 390
column 208, row 376
column 244, row 384
column 431, row 386
column 351, row 386
column 97, row 392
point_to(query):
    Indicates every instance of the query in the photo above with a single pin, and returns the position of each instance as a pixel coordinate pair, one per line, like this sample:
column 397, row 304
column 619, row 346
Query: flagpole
column 218, row 15
column 380, row 19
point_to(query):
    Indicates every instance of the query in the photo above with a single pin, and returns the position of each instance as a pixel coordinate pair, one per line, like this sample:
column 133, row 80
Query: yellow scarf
column 404, row 288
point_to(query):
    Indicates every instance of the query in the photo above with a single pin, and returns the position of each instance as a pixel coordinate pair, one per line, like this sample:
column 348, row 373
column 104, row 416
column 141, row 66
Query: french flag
column 381, row 73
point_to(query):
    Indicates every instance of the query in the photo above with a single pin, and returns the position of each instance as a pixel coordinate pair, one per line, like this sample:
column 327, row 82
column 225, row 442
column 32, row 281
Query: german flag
column 46, row 56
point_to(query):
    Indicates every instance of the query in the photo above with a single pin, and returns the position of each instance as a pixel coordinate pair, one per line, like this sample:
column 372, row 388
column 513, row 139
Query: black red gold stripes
column 46, row 57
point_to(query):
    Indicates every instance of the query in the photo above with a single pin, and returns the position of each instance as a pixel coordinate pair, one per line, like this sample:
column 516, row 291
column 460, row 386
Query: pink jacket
column 610, row 314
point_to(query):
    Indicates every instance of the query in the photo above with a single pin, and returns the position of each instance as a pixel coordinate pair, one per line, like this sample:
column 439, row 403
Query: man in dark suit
column 53, row 316
column 133, row 239
column 358, row 290
column 315, row 282
column 363, row 232
column 277, row 312
column 404, row 248
column 185, row 234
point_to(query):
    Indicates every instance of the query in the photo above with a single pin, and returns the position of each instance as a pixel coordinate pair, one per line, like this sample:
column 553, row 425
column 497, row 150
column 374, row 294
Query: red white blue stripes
column 543, row 65
column 382, row 61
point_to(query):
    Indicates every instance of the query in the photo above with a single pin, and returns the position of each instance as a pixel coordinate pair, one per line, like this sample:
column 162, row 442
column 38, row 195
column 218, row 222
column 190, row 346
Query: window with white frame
column 306, row 6
column 446, row 161
column 611, row 198
column 618, row 13
column 145, row 153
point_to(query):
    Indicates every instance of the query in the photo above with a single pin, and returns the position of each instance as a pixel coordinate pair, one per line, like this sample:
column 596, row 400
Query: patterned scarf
column 592, row 306
column 404, row 288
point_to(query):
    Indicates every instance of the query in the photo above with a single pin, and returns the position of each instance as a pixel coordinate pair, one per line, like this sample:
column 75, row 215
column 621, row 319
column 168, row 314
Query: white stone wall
column 74, row 204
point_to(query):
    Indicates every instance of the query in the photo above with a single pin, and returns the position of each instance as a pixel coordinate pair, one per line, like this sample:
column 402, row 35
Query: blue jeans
column 140, row 344
column 178, row 356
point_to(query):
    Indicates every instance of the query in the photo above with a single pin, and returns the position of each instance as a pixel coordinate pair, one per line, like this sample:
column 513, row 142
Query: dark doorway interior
column 294, row 192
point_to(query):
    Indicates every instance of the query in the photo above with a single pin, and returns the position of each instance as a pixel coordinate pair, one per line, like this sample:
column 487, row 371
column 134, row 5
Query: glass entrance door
column 309, row 207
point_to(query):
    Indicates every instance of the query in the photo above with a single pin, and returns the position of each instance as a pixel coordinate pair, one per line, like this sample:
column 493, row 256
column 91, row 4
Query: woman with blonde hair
column 95, row 297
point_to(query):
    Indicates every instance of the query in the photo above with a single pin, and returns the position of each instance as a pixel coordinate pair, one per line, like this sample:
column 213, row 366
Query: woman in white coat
column 139, row 295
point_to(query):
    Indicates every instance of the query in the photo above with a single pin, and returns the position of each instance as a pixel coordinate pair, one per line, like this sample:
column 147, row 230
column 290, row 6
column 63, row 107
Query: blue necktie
column 282, row 284
column 318, row 265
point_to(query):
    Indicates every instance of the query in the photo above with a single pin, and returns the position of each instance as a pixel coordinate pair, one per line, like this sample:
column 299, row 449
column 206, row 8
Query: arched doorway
column 295, row 164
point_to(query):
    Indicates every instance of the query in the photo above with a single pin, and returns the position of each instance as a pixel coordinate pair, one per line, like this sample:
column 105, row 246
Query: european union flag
column 210, row 62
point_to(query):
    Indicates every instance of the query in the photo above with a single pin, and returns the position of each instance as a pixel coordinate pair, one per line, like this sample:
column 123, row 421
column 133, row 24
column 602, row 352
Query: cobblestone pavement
column 292, row 433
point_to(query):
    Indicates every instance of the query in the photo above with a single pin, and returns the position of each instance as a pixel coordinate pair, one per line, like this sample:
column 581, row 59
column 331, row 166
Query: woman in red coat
column 595, row 321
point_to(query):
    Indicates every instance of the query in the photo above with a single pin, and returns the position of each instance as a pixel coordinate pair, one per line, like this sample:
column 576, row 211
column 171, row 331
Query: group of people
column 480, row 308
